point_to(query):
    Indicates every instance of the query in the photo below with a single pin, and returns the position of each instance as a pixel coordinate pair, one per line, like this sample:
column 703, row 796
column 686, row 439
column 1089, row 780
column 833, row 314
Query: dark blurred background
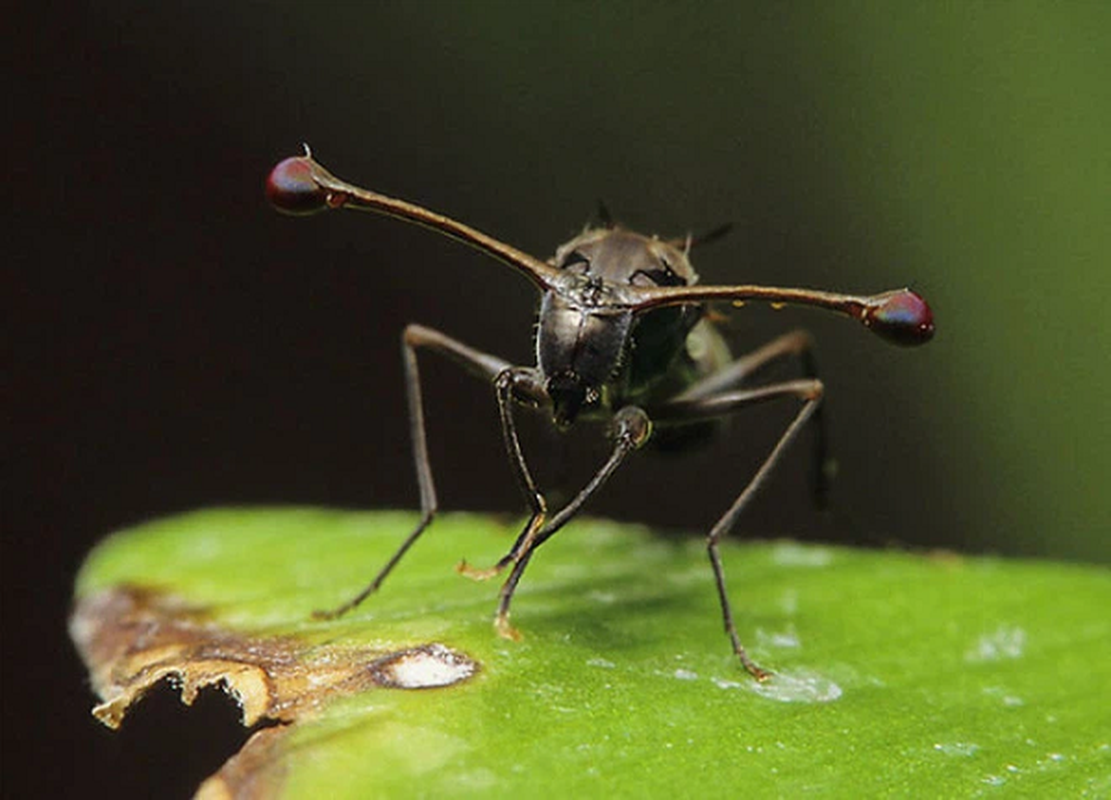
column 173, row 343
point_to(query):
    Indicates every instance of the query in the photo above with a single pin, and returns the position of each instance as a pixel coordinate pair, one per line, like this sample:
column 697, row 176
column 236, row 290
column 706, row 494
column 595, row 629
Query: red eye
column 291, row 189
column 903, row 318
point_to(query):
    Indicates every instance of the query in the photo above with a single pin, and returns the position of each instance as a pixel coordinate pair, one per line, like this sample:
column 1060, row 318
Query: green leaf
column 895, row 674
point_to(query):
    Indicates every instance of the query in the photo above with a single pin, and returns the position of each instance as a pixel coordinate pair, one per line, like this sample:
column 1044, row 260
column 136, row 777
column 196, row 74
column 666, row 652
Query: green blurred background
column 176, row 344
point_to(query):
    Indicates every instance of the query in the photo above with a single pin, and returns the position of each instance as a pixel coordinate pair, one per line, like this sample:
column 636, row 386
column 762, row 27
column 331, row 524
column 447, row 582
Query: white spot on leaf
column 425, row 667
column 957, row 748
column 798, row 687
column 792, row 554
column 782, row 639
column 1004, row 642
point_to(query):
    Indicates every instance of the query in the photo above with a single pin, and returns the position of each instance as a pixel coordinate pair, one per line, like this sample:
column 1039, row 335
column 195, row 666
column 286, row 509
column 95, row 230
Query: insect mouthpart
column 569, row 396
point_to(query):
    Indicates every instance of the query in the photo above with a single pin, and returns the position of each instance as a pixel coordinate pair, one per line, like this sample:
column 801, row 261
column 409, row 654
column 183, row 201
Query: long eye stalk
column 301, row 186
column 900, row 316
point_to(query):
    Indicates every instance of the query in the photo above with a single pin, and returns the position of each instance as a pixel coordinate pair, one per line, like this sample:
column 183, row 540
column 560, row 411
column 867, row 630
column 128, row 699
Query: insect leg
column 631, row 429
column 508, row 386
column 476, row 362
column 809, row 391
column 797, row 343
column 743, row 369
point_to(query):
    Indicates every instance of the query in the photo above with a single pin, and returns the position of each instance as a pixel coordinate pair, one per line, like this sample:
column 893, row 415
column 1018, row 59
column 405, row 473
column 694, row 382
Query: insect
column 624, row 337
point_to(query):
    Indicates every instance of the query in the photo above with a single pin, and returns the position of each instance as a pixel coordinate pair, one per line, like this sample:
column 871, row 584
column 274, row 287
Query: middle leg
column 809, row 392
column 631, row 428
column 796, row 344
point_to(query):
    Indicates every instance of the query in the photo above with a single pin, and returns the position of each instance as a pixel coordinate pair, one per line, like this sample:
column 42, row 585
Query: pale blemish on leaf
column 607, row 598
column 426, row 667
column 793, row 554
column 786, row 639
column 957, row 748
column 789, row 602
column 801, row 686
column 1004, row 696
column 1003, row 642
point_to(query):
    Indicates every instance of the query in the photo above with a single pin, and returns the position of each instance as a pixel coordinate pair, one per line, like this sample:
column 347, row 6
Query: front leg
column 511, row 384
column 631, row 428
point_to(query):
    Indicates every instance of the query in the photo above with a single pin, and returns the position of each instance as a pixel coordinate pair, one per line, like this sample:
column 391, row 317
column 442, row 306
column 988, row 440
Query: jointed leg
column 744, row 368
column 475, row 361
column 809, row 391
column 797, row 343
column 631, row 428
column 506, row 386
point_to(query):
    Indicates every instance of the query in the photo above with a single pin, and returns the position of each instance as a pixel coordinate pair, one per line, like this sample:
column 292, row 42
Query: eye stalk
column 900, row 316
column 302, row 186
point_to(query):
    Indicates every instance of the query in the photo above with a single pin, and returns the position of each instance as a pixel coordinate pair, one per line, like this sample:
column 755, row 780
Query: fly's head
column 584, row 335
column 620, row 257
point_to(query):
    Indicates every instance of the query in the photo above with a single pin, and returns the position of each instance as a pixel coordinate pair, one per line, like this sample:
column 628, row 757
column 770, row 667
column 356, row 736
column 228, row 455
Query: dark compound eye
column 658, row 277
column 573, row 258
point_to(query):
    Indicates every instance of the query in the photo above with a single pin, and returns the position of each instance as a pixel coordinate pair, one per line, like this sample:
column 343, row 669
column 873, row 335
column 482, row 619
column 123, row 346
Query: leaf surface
column 895, row 674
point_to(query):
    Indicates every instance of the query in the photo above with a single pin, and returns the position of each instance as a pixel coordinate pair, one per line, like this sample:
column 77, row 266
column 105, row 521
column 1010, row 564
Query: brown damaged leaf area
column 133, row 638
